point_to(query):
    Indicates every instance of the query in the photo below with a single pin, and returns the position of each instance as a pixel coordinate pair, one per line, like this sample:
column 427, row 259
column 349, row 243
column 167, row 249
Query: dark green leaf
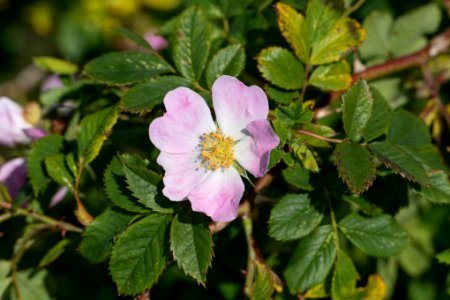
column 58, row 171
column 333, row 77
column 357, row 105
column 439, row 189
column 117, row 190
column 311, row 260
column 192, row 244
column 280, row 67
column 137, row 39
column 380, row 119
column 294, row 217
column 98, row 239
column 227, row 61
column 140, row 254
column 55, row 65
column 262, row 288
column 298, row 177
column 144, row 96
column 407, row 129
column 355, row 165
column 93, row 131
column 378, row 236
column 344, row 277
column 54, row 253
column 282, row 96
column 191, row 48
column 44, row 147
column 402, row 161
column 125, row 67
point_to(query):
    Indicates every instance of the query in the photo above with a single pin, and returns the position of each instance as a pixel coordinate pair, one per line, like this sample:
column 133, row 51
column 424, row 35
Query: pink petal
column 183, row 174
column 12, row 123
column 13, row 175
column 157, row 42
column 186, row 119
column 35, row 133
column 253, row 151
column 236, row 105
column 51, row 82
column 58, row 196
column 219, row 195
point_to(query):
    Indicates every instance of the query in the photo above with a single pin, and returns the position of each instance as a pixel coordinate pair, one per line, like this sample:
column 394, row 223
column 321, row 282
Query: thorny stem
column 319, row 137
column 37, row 216
column 248, row 228
column 81, row 213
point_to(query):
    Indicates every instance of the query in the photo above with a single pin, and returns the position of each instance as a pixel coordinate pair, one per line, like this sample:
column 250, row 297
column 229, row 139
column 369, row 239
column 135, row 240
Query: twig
column 353, row 8
column 319, row 137
column 81, row 213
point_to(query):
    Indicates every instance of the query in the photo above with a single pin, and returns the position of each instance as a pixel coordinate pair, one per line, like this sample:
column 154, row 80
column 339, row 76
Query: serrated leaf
column 93, row 131
column 357, row 105
column 402, row 161
column 378, row 27
column 439, row 189
column 407, row 129
column 58, row 171
column 263, row 286
column 140, row 254
column 321, row 17
column 298, row 177
column 55, row 65
column 142, row 182
column 306, row 157
column 192, row 244
column 227, row 61
column 31, row 285
column 144, row 96
column 117, row 190
column 125, row 67
column 191, row 48
column 444, row 257
column 333, row 77
column 134, row 37
column 378, row 236
column 344, row 277
column 44, row 147
column 311, row 260
column 346, row 35
column 280, row 67
column 54, row 253
column 380, row 118
column 281, row 96
column 98, row 239
column 355, row 165
column 294, row 217
column 293, row 27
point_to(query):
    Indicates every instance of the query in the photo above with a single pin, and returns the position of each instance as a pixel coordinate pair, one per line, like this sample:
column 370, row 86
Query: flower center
column 217, row 150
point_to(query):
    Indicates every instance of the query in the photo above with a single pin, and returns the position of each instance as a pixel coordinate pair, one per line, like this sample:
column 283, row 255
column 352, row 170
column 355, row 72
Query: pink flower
column 199, row 157
column 12, row 123
column 13, row 175
column 157, row 42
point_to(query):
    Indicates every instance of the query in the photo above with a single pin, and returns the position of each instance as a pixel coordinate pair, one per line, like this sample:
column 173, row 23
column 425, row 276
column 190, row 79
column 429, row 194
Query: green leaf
column 380, row 119
column 281, row 96
column 293, row 27
column 144, row 96
column 305, row 155
column 134, row 37
column 346, row 35
column 54, row 253
column 294, row 217
column 444, row 257
column 142, row 182
column 280, row 67
column 5, row 269
column 192, row 244
column 58, row 171
column 191, row 47
column 298, row 177
column 32, row 285
column 140, row 254
column 407, row 129
column 42, row 148
column 344, row 277
column 125, row 67
column 349, row 159
column 378, row 27
column 357, row 105
column 333, row 77
column 311, row 260
column 93, row 131
column 321, row 17
column 55, row 65
column 227, row 61
column 117, row 190
column 439, row 189
column 263, row 286
column 402, row 161
column 4, row 194
column 378, row 236
column 98, row 239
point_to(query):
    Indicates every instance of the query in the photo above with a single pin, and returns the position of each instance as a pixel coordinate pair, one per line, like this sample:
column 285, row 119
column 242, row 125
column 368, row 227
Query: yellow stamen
column 217, row 150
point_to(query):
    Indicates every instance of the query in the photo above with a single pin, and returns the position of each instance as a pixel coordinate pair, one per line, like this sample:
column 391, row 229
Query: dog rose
column 12, row 123
column 13, row 175
column 201, row 158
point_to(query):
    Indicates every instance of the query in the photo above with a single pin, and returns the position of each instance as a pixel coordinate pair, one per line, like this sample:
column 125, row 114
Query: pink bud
column 13, row 175
column 157, row 42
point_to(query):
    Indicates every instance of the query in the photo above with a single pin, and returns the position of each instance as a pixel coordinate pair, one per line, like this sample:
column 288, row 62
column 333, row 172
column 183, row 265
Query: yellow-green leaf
column 55, row 65
column 333, row 77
